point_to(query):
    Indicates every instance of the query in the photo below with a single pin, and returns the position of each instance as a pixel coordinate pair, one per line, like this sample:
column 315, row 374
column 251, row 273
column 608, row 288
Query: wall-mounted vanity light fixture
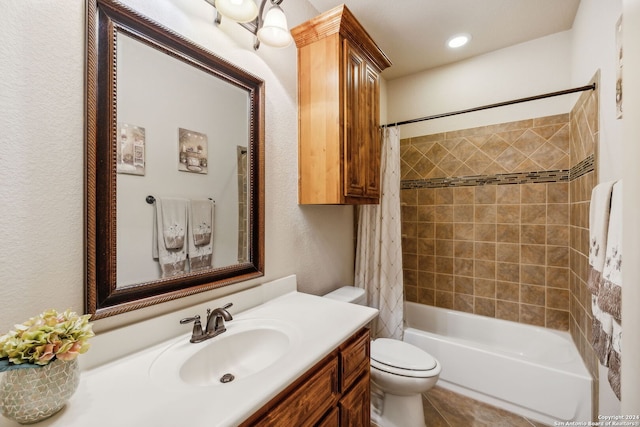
column 271, row 29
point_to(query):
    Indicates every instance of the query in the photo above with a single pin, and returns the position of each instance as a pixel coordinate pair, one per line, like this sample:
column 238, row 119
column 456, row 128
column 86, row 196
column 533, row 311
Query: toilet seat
column 401, row 358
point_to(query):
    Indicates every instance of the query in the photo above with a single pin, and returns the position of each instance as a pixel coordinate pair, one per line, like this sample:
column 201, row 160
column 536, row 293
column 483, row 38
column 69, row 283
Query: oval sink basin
column 247, row 347
column 234, row 357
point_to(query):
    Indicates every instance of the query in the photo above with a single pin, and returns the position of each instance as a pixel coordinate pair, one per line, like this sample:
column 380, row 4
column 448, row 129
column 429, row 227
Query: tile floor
column 443, row 408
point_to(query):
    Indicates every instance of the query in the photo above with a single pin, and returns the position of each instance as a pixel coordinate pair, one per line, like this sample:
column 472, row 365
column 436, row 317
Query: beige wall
column 538, row 66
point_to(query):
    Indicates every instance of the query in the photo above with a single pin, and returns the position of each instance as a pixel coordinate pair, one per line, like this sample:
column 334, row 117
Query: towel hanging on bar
column 200, row 235
column 169, row 235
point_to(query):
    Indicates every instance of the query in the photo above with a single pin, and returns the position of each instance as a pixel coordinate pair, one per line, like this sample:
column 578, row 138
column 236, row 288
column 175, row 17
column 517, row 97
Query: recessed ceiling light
column 458, row 40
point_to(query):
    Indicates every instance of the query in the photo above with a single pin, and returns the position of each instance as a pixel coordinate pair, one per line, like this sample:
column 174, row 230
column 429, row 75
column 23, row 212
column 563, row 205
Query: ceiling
column 413, row 33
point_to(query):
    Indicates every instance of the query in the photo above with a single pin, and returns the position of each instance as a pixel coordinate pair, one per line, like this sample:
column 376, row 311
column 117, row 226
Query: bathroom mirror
column 167, row 120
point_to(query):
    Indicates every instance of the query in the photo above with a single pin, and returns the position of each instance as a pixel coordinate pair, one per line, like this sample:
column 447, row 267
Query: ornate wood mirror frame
column 105, row 21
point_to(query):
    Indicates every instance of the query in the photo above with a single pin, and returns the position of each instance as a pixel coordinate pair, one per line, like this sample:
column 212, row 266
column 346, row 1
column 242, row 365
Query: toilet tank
column 349, row 294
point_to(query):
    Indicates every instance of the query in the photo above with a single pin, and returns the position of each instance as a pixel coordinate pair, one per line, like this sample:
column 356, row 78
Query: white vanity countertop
column 123, row 394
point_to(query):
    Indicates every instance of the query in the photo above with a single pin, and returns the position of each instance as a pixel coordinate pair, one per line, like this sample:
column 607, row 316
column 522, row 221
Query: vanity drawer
column 305, row 401
column 354, row 359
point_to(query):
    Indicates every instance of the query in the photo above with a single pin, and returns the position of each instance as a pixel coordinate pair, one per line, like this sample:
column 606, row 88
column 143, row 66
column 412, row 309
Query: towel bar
column 151, row 200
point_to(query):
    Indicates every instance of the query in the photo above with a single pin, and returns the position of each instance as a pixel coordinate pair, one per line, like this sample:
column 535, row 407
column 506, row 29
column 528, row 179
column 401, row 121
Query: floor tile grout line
column 435, row 407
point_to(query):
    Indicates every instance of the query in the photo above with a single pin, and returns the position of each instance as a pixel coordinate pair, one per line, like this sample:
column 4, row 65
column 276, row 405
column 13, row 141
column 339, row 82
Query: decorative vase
column 33, row 394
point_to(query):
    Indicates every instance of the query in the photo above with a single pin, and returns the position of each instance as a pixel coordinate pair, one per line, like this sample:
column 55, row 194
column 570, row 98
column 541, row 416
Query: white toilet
column 400, row 370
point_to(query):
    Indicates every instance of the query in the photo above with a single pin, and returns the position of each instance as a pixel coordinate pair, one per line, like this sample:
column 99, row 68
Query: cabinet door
column 362, row 126
column 355, row 410
column 354, row 141
column 371, row 132
column 304, row 402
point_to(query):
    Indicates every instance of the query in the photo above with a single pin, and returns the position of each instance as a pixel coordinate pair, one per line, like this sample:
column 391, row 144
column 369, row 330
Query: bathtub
column 528, row 370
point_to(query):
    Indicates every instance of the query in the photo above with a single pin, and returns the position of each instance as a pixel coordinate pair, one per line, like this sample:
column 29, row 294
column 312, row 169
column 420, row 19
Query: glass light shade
column 274, row 31
column 237, row 10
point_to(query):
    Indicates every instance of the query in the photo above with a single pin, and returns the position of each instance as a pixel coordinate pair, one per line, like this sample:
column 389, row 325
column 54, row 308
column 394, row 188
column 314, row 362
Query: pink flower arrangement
column 44, row 338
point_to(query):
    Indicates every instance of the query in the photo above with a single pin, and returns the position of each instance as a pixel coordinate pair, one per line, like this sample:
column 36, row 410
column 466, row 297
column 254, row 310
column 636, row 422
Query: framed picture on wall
column 131, row 149
column 192, row 151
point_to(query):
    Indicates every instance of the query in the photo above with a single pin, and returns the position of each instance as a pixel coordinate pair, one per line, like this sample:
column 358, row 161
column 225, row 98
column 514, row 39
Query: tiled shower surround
column 495, row 250
column 495, row 220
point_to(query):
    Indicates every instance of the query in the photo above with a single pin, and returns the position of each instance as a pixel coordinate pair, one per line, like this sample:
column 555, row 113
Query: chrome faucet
column 215, row 324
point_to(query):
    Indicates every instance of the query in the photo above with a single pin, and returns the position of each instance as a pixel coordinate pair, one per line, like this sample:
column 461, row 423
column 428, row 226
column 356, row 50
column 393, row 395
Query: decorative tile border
column 535, row 177
column 585, row 166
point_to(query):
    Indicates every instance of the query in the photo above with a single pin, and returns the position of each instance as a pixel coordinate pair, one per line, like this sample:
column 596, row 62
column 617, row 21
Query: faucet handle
column 186, row 320
column 197, row 334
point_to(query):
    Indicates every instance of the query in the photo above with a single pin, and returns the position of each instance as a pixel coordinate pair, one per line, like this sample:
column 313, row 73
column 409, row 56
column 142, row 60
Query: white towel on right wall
column 599, row 210
column 610, row 293
column 599, row 214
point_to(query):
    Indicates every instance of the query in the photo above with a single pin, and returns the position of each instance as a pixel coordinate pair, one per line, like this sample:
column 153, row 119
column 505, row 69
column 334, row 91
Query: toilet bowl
column 401, row 371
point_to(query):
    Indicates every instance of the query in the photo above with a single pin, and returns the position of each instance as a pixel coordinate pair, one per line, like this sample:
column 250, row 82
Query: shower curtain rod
column 499, row 104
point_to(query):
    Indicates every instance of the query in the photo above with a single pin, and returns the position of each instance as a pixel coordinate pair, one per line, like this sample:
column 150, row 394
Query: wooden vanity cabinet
column 334, row 393
column 339, row 136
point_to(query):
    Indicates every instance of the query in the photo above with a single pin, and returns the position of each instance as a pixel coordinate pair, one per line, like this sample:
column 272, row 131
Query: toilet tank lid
column 346, row 293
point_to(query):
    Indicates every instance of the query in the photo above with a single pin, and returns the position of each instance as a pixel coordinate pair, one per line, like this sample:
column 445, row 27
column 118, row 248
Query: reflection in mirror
column 174, row 165
column 191, row 127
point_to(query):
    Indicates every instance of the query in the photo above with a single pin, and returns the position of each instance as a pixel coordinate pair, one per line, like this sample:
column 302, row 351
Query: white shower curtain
column 379, row 246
